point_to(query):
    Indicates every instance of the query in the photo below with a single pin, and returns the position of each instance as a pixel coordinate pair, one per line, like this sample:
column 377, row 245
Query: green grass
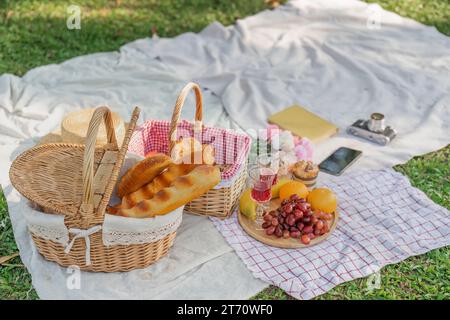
column 431, row 12
column 15, row 281
column 34, row 33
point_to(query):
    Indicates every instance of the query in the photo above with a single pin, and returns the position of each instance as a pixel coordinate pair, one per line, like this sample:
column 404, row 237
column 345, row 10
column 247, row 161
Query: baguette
column 142, row 173
column 161, row 181
column 184, row 189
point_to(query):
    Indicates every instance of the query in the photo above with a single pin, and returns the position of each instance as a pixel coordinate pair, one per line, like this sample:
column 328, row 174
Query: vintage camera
column 373, row 129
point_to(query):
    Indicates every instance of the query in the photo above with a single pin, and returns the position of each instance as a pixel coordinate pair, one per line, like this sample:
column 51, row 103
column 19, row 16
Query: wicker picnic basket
column 231, row 148
column 77, row 181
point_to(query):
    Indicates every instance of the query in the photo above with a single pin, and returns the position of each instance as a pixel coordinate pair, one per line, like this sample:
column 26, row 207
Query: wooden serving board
column 290, row 243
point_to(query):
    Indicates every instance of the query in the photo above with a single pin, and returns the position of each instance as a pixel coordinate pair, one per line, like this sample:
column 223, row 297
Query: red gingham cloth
column 383, row 220
column 231, row 148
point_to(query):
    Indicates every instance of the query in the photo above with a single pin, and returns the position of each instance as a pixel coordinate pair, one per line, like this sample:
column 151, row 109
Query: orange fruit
column 322, row 199
column 293, row 187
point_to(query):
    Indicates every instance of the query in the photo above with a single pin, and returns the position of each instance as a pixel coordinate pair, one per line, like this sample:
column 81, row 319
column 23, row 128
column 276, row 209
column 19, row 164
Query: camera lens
column 376, row 122
column 377, row 116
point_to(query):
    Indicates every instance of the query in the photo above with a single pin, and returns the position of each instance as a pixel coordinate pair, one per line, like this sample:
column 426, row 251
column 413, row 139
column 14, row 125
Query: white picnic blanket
column 382, row 220
column 342, row 59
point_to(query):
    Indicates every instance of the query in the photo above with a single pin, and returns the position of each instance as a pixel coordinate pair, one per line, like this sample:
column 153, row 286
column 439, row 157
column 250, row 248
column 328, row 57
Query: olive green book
column 304, row 123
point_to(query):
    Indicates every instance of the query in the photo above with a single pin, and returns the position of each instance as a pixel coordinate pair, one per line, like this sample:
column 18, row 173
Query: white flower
column 282, row 141
column 287, row 141
column 288, row 157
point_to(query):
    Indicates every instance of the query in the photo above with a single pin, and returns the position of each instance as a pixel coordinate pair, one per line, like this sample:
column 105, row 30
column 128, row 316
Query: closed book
column 304, row 123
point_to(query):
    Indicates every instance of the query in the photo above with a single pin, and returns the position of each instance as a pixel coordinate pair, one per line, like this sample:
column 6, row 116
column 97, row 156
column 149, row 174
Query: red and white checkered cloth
column 383, row 220
column 231, row 148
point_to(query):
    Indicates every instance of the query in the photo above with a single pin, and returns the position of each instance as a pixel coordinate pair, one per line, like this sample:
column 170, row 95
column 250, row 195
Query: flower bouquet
column 290, row 148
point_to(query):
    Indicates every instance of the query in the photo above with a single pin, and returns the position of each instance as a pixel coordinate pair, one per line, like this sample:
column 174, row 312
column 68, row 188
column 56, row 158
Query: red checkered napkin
column 230, row 147
column 383, row 220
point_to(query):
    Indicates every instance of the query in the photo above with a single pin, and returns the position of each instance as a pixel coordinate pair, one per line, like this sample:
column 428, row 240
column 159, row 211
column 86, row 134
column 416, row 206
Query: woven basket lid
column 72, row 179
column 74, row 127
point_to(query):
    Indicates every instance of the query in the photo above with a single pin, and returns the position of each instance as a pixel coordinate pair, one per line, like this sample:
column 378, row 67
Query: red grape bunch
column 295, row 219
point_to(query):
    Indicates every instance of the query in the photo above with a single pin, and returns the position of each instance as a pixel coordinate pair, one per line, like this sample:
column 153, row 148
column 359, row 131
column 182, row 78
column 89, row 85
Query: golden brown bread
column 190, row 150
column 208, row 154
column 181, row 191
column 142, row 173
column 161, row 181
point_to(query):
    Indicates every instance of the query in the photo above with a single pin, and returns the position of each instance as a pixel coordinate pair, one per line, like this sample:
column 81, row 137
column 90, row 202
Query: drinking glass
column 261, row 181
column 270, row 161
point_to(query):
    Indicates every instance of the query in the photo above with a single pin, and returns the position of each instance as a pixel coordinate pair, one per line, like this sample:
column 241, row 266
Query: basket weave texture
column 77, row 181
column 231, row 153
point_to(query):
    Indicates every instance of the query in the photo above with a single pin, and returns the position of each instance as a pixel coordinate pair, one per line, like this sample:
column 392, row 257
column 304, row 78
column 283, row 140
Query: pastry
column 208, row 154
column 181, row 191
column 190, row 150
column 142, row 173
column 306, row 172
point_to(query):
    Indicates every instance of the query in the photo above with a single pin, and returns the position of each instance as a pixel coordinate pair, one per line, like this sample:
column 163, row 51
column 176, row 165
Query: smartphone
column 339, row 160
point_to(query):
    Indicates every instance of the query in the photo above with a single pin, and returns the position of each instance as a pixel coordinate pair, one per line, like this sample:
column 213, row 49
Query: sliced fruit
column 276, row 188
column 323, row 199
column 247, row 206
column 293, row 187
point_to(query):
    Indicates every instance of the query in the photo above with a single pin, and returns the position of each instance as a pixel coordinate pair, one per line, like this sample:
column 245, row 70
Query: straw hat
column 74, row 127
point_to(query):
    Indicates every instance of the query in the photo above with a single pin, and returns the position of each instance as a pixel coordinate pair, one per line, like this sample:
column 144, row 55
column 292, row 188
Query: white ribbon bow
column 80, row 233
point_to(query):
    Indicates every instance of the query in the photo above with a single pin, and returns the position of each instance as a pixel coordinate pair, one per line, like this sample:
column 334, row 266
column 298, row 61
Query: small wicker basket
column 77, row 181
column 232, row 151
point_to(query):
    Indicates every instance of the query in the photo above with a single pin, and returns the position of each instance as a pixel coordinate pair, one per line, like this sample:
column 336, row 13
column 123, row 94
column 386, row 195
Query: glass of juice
column 270, row 161
column 261, row 181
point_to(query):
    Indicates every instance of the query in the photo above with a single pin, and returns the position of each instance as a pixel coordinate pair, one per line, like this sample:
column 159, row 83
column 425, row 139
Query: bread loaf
column 190, row 150
column 142, row 173
column 208, row 154
column 181, row 191
column 161, row 181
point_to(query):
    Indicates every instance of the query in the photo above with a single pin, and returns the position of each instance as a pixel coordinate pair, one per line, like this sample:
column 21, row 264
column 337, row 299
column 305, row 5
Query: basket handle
column 101, row 113
column 177, row 111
